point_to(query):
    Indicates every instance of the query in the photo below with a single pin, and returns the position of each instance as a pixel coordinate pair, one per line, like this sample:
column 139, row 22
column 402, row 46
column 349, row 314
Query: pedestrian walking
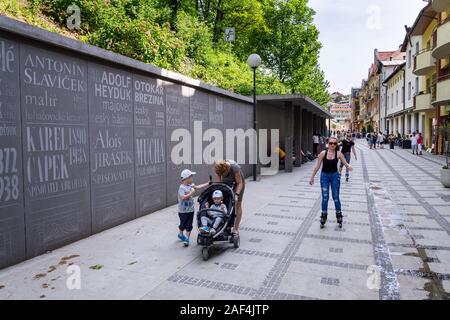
column 347, row 147
column 186, row 207
column 230, row 173
column 380, row 140
column 315, row 144
column 414, row 144
column 321, row 143
column 374, row 140
column 369, row 139
column 420, row 143
column 330, row 177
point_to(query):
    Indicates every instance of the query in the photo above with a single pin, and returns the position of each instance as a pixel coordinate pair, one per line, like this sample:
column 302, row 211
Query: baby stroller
column 223, row 234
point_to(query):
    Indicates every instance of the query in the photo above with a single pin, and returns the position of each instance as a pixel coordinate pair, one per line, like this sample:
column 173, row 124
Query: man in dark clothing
column 347, row 147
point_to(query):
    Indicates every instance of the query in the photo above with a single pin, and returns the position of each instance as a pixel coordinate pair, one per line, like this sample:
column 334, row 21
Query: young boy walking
column 186, row 206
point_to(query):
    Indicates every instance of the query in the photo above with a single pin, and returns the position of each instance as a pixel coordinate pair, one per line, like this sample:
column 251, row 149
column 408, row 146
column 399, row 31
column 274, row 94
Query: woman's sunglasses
column 333, row 143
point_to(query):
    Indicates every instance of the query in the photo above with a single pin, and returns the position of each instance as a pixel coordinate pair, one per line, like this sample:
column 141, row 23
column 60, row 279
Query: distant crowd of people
column 377, row 140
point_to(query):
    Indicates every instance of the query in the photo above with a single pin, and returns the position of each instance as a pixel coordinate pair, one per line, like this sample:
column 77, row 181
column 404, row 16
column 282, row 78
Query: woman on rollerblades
column 329, row 159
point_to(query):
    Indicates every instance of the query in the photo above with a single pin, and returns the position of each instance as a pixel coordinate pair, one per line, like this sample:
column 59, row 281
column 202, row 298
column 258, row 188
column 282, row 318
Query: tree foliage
column 187, row 36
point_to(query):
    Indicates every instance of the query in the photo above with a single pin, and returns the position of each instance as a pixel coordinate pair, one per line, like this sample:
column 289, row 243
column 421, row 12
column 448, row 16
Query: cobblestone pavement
column 394, row 244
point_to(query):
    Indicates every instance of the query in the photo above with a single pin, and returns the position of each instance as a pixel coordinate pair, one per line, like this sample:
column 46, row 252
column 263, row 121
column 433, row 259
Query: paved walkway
column 395, row 244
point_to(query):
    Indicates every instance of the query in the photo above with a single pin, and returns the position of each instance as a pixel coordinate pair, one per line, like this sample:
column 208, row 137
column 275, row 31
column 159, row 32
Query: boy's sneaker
column 204, row 230
column 186, row 242
column 213, row 231
column 182, row 237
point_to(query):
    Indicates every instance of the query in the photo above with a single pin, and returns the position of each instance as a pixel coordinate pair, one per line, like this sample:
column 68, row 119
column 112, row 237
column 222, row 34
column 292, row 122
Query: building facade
column 362, row 95
column 441, row 52
column 395, row 101
column 414, row 115
column 431, row 66
column 342, row 113
column 355, row 107
column 413, row 82
column 387, row 64
column 373, row 98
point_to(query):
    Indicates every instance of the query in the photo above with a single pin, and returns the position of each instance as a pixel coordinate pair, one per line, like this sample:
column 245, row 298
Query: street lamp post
column 254, row 61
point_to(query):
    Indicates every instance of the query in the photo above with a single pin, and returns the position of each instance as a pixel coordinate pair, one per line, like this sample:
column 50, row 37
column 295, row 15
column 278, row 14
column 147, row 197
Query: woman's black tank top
column 330, row 166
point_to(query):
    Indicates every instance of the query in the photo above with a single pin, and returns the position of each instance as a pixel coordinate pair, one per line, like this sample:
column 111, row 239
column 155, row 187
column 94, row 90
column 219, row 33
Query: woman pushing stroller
column 230, row 173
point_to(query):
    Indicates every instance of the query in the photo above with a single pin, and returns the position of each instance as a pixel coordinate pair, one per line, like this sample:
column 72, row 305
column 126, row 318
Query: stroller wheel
column 205, row 253
column 236, row 241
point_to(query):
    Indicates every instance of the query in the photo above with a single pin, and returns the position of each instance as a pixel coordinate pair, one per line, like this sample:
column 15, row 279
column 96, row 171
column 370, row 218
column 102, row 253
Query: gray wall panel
column 216, row 121
column 248, row 123
column 111, row 142
column 12, row 229
column 55, row 148
column 150, row 144
column 177, row 117
column 199, row 111
column 229, row 123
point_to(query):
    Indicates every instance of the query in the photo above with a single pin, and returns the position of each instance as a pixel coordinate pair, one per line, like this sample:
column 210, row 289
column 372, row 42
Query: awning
column 297, row 100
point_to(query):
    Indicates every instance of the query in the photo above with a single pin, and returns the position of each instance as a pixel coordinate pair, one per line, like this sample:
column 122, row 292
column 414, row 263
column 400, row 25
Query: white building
column 386, row 68
column 414, row 119
column 387, row 62
column 395, row 100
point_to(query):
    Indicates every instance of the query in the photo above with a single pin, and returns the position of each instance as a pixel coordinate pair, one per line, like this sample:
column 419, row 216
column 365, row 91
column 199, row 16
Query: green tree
column 290, row 47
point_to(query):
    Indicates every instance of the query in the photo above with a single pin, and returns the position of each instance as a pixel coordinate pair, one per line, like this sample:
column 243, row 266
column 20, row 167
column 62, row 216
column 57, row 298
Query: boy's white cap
column 217, row 194
column 186, row 173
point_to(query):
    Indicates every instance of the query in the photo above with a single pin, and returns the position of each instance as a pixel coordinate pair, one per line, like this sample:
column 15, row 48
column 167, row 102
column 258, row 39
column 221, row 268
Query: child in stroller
column 225, row 199
column 212, row 220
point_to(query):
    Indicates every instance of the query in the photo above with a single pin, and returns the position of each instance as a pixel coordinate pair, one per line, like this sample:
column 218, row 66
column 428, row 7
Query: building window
column 402, row 98
column 417, row 85
column 409, row 59
column 396, row 98
column 409, row 90
column 417, row 47
column 392, row 101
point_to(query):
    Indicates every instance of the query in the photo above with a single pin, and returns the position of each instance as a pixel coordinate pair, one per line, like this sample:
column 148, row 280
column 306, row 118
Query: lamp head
column 254, row 60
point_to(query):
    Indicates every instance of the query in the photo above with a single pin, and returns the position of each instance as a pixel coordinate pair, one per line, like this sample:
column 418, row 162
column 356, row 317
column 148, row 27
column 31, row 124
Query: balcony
column 442, row 91
column 441, row 5
column 424, row 63
column 422, row 102
column 442, row 49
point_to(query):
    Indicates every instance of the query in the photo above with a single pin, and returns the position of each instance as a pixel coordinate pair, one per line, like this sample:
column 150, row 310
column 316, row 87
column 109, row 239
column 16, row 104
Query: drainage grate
column 229, row 266
column 330, row 281
column 337, row 250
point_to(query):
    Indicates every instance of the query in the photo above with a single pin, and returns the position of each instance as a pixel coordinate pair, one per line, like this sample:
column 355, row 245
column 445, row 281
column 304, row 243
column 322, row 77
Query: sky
column 350, row 30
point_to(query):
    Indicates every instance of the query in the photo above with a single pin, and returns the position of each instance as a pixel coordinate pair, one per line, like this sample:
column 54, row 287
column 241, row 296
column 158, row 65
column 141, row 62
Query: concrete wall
column 271, row 117
column 85, row 138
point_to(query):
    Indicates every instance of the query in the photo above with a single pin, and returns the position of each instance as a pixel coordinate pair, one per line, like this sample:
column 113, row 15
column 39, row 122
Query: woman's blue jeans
column 333, row 179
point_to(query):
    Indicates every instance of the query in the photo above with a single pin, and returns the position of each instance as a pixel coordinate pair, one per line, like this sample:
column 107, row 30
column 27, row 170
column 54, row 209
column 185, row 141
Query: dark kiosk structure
column 298, row 118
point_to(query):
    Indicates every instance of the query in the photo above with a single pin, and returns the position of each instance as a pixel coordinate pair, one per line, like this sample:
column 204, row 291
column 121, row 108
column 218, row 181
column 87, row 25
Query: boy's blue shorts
column 186, row 219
